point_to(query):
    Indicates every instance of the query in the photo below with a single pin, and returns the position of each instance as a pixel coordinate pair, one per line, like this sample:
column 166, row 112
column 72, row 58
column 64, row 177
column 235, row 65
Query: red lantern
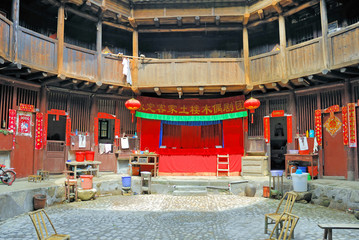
column 132, row 105
column 252, row 104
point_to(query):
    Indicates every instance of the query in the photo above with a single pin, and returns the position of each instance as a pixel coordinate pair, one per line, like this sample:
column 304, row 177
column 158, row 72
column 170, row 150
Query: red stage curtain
column 233, row 135
column 150, row 134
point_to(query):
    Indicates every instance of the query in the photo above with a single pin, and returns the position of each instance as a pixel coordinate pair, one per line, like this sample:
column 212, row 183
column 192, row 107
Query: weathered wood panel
column 36, row 50
column 80, row 62
column 5, row 26
column 305, row 58
column 265, row 68
column 112, row 70
column 345, row 45
column 192, row 72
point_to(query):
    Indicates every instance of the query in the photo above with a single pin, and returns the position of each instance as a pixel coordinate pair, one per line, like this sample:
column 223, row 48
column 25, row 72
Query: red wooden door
column 335, row 156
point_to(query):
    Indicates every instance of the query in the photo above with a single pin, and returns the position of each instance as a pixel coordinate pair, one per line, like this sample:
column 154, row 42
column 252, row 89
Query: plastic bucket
column 80, row 156
column 275, row 173
column 313, row 172
column 126, row 181
column 304, row 169
column 86, row 181
column 266, row 191
column 300, row 182
column 90, row 156
column 39, row 201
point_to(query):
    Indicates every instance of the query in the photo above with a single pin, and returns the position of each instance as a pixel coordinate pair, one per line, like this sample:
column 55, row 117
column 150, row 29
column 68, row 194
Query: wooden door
column 335, row 156
column 56, row 145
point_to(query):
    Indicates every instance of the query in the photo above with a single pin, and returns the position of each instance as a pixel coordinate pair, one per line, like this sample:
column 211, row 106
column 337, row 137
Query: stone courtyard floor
column 176, row 217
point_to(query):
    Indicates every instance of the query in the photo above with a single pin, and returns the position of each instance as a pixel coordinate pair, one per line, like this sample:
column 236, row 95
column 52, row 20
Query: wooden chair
column 287, row 228
column 273, row 218
column 40, row 224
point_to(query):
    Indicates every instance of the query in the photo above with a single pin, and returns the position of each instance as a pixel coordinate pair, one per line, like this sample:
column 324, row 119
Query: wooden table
column 313, row 159
column 329, row 227
column 145, row 159
column 94, row 167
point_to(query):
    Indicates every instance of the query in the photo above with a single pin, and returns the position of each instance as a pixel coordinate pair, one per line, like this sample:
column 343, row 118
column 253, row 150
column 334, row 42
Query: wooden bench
column 34, row 178
column 329, row 227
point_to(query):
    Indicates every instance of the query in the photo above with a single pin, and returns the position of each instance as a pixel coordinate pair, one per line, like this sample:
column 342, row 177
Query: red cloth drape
column 150, row 134
column 233, row 135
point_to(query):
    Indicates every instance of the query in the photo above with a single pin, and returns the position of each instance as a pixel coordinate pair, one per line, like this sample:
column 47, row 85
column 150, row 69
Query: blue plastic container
column 126, row 181
column 275, row 173
column 304, row 169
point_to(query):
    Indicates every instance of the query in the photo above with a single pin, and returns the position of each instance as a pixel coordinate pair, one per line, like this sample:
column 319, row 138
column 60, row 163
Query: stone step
column 190, row 193
column 190, row 188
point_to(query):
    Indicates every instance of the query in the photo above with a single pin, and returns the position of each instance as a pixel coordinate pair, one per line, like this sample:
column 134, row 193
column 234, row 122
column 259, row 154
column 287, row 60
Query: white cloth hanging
column 126, row 70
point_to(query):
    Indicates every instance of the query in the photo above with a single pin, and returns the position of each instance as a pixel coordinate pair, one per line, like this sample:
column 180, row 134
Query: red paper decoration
column 26, row 107
column 345, row 125
column 352, row 125
column 266, row 124
column 117, row 132
column 252, row 104
column 12, row 125
column 39, row 130
column 289, row 129
column 318, row 126
column 96, row 131
column 68, row 131
column 132, row 105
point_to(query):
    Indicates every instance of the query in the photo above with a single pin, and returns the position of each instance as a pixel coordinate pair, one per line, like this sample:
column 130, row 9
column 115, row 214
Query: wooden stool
column 44, row 174
column 71, row 189
column 34, row 178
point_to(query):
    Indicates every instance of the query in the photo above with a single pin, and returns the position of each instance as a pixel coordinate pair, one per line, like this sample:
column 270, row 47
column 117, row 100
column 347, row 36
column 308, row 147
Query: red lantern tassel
column 252, row 119
column 132, row 112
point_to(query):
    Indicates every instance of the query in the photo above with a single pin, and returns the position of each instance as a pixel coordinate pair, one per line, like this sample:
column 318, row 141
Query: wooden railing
column 5, row 37
column 191, row 72
column 265, row 68
column 305, row 58
column 37, row 51
column 344, row 46
column 112, row 70
column 80, row 63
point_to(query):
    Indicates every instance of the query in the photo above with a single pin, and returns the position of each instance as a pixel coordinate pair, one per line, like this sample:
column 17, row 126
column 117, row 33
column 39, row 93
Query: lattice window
column 278, row 104
column 6, row 96
column 330, row 98
column 107, row 106
column 57, row 100
column 26, row 96
column 306, row 105
column 127, row 126
column 356, row 93
column 80, row 107
column 256, row 128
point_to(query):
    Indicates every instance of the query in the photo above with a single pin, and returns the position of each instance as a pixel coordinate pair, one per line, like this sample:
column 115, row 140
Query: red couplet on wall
column 289, row 129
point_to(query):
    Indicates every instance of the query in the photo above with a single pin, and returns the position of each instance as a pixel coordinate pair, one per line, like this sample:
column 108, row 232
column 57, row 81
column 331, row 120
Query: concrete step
column 190, row 193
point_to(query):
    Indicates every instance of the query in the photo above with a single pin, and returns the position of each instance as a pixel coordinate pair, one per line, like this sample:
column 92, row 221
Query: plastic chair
column 40, row 224
column 276, row 217
column 287, row 228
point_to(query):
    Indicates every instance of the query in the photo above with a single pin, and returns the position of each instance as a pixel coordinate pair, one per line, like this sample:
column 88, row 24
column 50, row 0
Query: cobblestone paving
column 176, row 217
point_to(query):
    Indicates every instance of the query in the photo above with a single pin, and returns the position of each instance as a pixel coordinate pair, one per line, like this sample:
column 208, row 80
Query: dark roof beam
column 201, row 91
column 218, row 20
column 316, row 78
column 197, row 20
column 260, row 14
column 276, row 6
column 157, row 91
column 83, row 84
column 350, row 70
column 276, row 86
column 15, row 71
column 35, row 76
column 109, row 88
column 263, row 88
column 157, row 22
column 179, row 21
column 304, row 81
column 53, row 79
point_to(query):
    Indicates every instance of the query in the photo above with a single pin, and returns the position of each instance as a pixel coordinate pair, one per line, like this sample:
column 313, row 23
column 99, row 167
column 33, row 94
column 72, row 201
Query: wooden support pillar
column 135, row 62
column 43, row 109
column 246, row 56
column 350, row 151
column 324, row 23
column 99, row 49
column 60, row 40
column 15, row 19
column 283, row 48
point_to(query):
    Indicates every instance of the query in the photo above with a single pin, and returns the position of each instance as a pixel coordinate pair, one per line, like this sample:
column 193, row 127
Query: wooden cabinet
column 144, row 159
column 310, row 158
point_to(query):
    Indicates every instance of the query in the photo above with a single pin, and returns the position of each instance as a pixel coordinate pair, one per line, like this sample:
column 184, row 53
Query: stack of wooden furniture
column 255, row 163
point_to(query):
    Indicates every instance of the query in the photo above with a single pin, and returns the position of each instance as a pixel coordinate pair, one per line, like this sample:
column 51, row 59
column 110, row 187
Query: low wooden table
column 313, row 159
column 95, row 165
column 329, row 227
column 145, row 159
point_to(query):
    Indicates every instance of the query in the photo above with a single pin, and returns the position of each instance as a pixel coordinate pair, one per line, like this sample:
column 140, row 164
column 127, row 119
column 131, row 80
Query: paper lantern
column 132, row 105
column 252, row 104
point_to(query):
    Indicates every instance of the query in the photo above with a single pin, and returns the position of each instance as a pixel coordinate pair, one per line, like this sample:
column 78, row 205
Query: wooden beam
column 262, row 88
column 68, row 82
column 246, row 56
column 276, row 86
column 179, row 21
column 2, row 61
column 276, row 6
column 339, row 74
column 180, row 92
column 96, row 86
column 300, row 8
column 283, row 45
column 246, row 18
column 23, row 71
column 60, row 38
column 99, row 49
column 15, row 28
column 247, row 90
column 119, row 26
column 157, row 91
column 14, row 81
column 289, row 85
column 120, row 90
column 304, row 82
column 223, row 90
column 83, row 84
column 324, row 24
column 11, row 65
column 190, row 29
column 315, row 78
column 260, row 14
column 132, row 22
column 197, row 20
column 49, row 80
column 156, row 22
column 218, row 20
column 267, row 20
column 201, row 91
column 350, row 70
column 109, row 88
column 295, row 2
column 38, row 75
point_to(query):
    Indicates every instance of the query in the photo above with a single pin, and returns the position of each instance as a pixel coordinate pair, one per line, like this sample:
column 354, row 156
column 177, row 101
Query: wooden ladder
column 222, row 163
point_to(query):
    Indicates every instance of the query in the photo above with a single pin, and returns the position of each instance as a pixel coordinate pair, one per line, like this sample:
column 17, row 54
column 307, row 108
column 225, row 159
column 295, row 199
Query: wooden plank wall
column 80, row 62
column 36, row 50
column 265, row 68
column 80, row 106
column 5, row 33
column 305, row 112
column 27, row 96
column 344, row 45
column 6, row 103
column 112, row 69
column 305, row 57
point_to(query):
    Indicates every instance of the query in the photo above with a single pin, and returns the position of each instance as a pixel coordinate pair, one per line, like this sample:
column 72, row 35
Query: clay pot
column 250, row 190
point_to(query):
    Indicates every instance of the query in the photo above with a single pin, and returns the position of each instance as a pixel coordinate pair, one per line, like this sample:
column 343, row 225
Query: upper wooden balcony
column 39, row 52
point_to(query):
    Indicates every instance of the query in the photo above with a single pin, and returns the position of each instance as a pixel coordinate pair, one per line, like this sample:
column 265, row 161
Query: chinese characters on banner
column 12, row 125
column 345, row 125
column 289, row 129
column 26, row 107
column 39, row 130
column 68, row 131
column 190, row 107
column 24, row 124
column 318, row 126
column 352, row 125
column 266, row 124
